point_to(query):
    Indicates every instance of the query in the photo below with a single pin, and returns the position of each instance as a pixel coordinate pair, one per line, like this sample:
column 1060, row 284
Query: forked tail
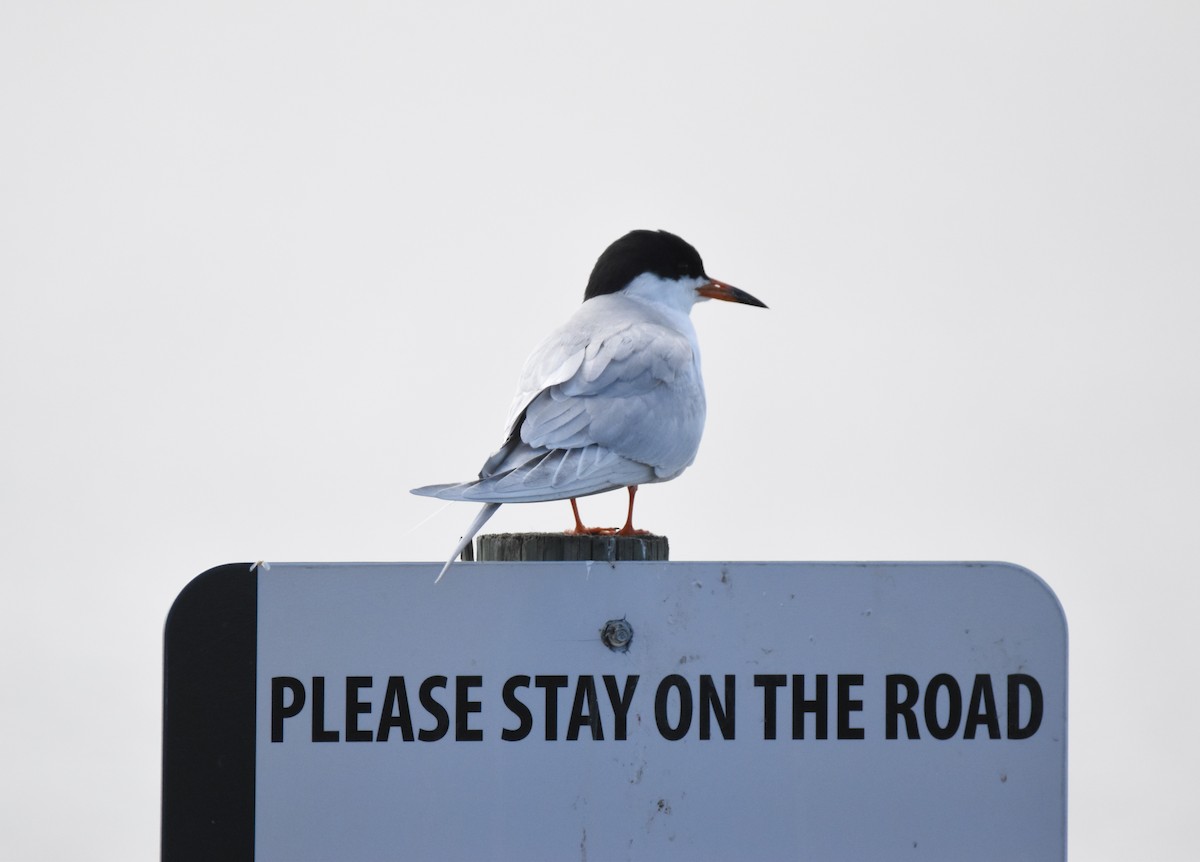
column 486, row 512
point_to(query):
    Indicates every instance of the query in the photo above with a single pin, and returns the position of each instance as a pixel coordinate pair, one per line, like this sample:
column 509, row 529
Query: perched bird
column 611, row 399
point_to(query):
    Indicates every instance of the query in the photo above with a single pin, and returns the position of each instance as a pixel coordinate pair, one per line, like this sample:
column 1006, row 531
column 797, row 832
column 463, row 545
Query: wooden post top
column 554, row 547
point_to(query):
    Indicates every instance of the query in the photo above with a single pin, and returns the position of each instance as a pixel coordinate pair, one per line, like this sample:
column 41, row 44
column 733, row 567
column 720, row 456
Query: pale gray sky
column 266, row 266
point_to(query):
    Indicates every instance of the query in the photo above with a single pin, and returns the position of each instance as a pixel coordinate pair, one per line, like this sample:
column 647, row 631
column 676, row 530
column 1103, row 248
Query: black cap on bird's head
column 641, row 251
column 659, row 253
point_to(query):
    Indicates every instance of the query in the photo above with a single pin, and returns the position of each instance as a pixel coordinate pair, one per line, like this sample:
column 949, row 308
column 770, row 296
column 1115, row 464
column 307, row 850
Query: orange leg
column 628, row 529
column 581, row 530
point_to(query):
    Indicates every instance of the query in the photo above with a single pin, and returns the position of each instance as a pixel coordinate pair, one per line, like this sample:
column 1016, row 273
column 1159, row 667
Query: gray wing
column 609, row 400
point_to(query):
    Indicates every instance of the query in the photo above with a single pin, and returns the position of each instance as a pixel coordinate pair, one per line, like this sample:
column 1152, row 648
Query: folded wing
column 610, row 399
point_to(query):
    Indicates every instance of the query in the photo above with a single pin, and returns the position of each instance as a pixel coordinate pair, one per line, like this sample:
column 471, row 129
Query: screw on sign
column 617, row 635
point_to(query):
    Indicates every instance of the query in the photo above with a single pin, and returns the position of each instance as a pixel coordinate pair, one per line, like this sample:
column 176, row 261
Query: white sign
column 757, row 711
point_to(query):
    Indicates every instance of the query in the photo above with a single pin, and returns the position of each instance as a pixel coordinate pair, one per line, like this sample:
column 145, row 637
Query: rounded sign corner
column 1041, row 583
column 206, row 586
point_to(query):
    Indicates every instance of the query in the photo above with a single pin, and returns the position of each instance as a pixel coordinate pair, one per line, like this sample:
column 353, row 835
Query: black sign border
column 209, row 676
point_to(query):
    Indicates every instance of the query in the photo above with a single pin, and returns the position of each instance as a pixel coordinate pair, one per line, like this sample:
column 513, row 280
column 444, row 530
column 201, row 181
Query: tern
column 611, row 399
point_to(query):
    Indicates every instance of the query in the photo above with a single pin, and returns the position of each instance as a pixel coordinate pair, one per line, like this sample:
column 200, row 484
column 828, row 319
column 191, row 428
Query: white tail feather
column 486, row 512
